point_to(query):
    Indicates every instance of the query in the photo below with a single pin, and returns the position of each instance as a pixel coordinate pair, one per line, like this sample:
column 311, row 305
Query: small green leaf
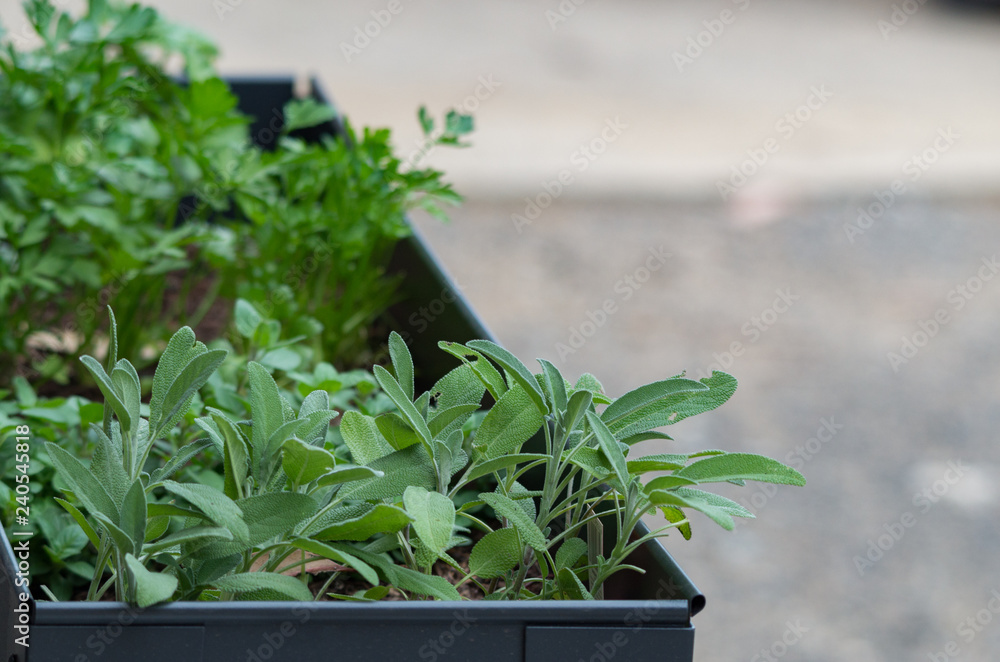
column 23, row 393
column 570, row 552
column 181, row 348
column 347, row 473
column 304, row 463
column 338, row 554
column 178, row 397
column 392, row 389
column 126, row 383
column 81, row 520
column 592, row 461
column 673, row 408
column 495, row 554
column 741, row 466
column 612, row 451
column 637, row 400
column 235, row 454
column 304, row 113
column 362, row 437
column 426, row 121
column 396, row 431
column 121, row 540
column 556, row 385
column 108, row 390
column 267, row 516
column 577, row 407
column 281, row 358
column 379, row 518
column 150, row 587
column 590, row 383
column 182, row 457
column 112, row 359
column 402, row 363
column 133, row 515
column 433, row 517
column 83, row 484
column 480, row 365
column 668, row 483
column 266, row 410
column 512, row 421
column 315, row 401
column 156, row 527
column 411, row 580
column 410, row 466
column 717, row 508
column 272, row 515
column 677, row 516
column 449, row 457
column 503, row 462
column 459, row 386
column 645, row 436
column 214, row 504
column 202, row 534
column 247, row 318
column 662, row 462
column 107, row 464
column 506, row 507
column 517, row 370
column 448, row 420
column 571, row 585
column 280, row 586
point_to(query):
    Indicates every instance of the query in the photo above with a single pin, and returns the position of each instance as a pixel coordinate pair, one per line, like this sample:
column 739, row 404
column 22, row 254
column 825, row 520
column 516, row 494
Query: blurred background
column 802, row 194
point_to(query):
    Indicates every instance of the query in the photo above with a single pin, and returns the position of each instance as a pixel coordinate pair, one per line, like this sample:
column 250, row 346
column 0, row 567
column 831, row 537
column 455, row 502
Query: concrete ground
column 816, row 187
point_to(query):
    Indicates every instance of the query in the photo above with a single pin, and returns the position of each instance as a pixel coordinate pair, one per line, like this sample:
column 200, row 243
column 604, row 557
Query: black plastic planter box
column 644, row 617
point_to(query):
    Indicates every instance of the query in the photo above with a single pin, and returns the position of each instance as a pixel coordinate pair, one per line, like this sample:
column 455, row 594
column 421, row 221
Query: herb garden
column 210, row 394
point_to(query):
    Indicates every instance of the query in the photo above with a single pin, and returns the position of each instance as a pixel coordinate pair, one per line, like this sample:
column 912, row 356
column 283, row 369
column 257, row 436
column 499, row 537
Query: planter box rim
column 663, row 612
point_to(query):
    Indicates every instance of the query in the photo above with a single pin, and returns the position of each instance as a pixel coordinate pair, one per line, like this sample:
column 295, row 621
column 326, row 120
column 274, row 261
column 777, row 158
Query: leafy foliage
column 99, row 150
column 392, row 494
column 121, row 184
column 192, row 451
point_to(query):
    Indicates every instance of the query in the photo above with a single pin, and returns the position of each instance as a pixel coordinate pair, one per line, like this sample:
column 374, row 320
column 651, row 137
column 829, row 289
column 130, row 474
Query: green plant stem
column 526, row 562
column 404, row 546
column 121, row 586
column 326, row 585
column 102, row 560
column 108, row 584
